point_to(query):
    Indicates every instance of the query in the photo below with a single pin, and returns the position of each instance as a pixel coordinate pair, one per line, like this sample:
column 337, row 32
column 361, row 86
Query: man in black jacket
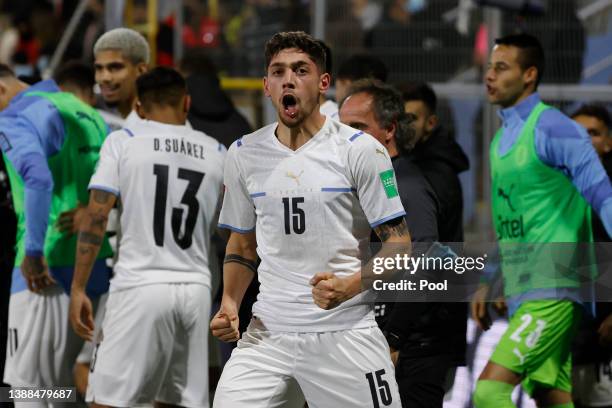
column 212, row 111
column 439, row 157
column 415, row 331
column 441, row 160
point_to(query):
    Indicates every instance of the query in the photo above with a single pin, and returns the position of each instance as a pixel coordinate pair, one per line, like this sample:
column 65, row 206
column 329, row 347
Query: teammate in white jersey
column 168, row 178
column 303, row 194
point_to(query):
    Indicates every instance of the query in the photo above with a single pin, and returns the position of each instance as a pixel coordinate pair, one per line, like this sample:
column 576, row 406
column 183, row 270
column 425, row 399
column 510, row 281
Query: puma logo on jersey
column 381, row 151
column 502, row 194
column 294, row 177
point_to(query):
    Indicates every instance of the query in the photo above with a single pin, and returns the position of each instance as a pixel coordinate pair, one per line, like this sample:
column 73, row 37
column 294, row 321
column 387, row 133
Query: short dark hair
column 6, row 71
column 162, row 86
column 328, row 56
column 531, row 53
column 388, row 109
column 359, row 67
column 76, row 73
column 596, row 111
column 296, row 39
column 420, row 91
column 197, row 62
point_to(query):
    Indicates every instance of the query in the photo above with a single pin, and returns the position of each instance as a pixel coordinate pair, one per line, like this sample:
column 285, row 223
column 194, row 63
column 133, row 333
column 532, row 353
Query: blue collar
column 43, row 86
column 520, row 111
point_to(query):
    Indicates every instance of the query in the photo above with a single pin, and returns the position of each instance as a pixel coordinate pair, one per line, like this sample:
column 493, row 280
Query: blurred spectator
column 343, row 31
column 236, row 16
column 264, row 18
column 561, row 34
column 415, row 43
column 440, row 158
column 598, row 124
column 9, row 39
column 355, row 68
column 368, row 13
column 200, row 29
column 47, row 30
column 90, row 27
column 28, row 48
column 212, row 111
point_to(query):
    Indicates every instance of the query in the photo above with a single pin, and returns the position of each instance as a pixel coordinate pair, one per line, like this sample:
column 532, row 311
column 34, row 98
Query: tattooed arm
column 91, row 236
column 329, row 290
column 394, row 230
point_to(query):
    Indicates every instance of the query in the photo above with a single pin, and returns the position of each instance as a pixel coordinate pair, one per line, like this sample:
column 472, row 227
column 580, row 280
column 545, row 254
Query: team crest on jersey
column 5, row 145
column 388, row 181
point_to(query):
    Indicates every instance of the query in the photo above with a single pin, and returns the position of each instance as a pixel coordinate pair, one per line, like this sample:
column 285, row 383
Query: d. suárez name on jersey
column 171, row 145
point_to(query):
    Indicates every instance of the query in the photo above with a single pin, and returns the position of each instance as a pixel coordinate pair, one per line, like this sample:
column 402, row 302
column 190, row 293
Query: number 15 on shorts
column 379, row 387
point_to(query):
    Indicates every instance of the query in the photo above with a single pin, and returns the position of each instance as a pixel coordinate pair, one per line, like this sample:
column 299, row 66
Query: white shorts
column 41, row 346
column 593, row 384
column 346, row 368
column 153, row 346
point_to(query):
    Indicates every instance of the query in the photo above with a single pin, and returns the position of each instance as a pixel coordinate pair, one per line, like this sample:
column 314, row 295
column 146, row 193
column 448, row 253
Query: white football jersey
column 168, row 179
column 312, row 209
column 329, row 108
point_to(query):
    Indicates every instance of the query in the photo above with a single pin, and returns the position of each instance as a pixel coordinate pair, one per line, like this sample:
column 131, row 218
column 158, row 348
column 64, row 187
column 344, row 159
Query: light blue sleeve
column 27, row 139
column 563, row 144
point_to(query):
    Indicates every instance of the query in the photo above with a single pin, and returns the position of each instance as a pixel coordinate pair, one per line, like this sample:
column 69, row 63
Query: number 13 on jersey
column 189, row 199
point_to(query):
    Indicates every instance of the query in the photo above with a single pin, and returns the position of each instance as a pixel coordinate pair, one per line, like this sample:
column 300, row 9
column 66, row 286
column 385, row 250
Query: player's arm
column 395, row 233
column 565, row 145
column 21, row 146
column 239, row 268
column 38, row 192
column 91, row 236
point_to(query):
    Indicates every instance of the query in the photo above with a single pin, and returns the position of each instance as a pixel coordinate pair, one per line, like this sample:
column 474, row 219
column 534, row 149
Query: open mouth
column 290, row 105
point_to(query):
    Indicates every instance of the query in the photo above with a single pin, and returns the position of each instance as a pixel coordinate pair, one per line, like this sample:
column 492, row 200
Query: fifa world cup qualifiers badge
column 388, row 181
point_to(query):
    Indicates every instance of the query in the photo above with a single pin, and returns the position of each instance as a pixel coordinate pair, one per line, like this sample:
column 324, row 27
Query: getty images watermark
column 441, row 262
column 453, row 272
